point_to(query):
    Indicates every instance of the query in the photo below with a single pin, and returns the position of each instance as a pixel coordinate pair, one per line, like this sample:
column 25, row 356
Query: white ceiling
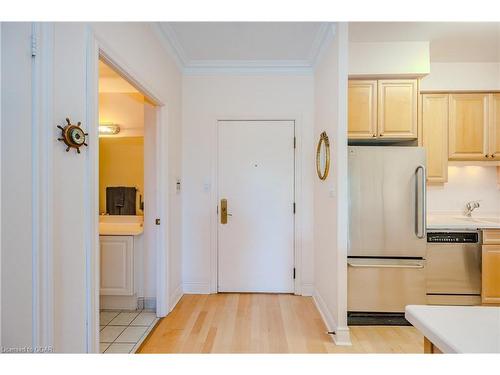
column 296, row 45
column 449, row 41
column 244, row 44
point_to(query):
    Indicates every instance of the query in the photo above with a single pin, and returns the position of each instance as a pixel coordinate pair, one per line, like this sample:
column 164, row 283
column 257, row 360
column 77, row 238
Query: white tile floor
column 124, row 331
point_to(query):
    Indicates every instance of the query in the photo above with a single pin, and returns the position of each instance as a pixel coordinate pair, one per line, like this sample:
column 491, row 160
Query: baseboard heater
column 376, row 319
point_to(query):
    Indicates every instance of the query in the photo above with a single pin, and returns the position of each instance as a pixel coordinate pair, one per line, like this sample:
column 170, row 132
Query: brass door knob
column 223, row 211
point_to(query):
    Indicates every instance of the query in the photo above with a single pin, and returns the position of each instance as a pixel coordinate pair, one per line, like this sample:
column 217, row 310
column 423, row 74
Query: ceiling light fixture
column 109, row 129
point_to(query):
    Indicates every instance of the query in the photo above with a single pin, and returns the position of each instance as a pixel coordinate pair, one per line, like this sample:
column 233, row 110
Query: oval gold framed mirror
column 323, row 156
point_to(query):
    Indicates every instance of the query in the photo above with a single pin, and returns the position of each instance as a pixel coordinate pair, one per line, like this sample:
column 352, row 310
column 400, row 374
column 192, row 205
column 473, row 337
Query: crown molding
column 169, row 40
column 167, row 44
column 327, row 38
column 318, row 42
column 247, row 67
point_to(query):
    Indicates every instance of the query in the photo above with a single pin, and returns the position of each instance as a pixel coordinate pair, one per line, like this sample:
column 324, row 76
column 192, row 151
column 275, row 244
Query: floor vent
column 376, row 319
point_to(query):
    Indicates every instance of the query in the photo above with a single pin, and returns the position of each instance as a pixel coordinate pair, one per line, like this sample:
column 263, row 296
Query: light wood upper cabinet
column 468, row 127
column 435, row 135
column 385, row 109
column 397, row 108
column 494, row 130
column 362, row 109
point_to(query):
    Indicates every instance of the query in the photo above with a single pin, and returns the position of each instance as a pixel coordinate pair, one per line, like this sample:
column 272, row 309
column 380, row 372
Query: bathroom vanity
column 121, row 249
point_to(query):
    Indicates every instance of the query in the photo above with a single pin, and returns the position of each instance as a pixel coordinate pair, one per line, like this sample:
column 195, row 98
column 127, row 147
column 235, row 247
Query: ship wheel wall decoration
column 73, row 136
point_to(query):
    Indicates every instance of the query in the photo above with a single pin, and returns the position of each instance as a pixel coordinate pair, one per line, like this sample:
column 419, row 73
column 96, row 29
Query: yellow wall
column 121, row 163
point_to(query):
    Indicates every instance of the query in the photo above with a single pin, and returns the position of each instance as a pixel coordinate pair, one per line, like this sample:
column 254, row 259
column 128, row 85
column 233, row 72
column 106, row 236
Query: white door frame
column 98, row 49
column 42, row 174
column 214, row 222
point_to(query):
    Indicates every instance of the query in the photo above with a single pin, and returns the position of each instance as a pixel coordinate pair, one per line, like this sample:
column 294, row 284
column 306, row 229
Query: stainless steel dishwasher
column 453, row 267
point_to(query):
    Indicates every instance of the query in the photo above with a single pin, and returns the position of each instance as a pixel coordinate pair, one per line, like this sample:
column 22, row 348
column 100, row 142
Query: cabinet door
column 468, row 127
column 362, row 121
column 397, row 109
column 435, row 135
column 491, row 274
column 494, row 133
column 117, row 265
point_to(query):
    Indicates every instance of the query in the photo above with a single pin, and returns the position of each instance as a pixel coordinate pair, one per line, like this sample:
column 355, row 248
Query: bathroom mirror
column 323, row 156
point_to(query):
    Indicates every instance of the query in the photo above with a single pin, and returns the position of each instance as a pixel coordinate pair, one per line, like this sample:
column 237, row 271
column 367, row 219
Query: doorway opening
column 128, row 208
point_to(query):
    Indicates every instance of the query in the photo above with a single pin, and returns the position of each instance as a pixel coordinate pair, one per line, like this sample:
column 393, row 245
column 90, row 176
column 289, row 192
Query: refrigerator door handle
column 420, row 189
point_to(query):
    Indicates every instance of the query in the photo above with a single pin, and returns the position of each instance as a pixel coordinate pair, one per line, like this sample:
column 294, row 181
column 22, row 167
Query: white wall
column 412, row 59
column 208, row 98
column 330, row 196
column 136, row 45
column 462, row 76
column 388, row 58
column 466, row 183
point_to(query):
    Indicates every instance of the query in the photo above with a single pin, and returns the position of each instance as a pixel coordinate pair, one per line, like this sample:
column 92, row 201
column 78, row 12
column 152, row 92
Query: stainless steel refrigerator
column 387, row 228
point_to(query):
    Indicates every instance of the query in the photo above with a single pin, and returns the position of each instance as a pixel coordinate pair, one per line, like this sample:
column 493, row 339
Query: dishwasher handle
column 385, row 263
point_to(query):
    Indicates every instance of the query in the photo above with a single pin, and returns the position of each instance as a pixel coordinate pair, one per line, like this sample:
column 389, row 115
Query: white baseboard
column 176, row 296
column 341, row 336
column 307, row 289
column 327, row 317
column 196, row 287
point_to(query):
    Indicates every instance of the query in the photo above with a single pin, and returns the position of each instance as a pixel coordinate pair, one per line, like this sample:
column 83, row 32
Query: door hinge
column 294, row 142
column 157, row 221
column 294, row 208
column 34, row 45
column 294, row 273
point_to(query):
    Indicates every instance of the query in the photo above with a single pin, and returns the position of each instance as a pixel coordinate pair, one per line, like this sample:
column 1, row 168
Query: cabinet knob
column 487, row 155
column 374, row 135
column 380, row 135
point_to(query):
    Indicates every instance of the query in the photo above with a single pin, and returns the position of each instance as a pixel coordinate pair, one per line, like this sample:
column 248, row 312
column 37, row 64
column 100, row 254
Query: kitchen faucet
column 469, row 207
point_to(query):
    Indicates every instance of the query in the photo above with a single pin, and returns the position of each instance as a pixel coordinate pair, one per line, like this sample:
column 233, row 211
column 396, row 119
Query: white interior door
column 256, row 177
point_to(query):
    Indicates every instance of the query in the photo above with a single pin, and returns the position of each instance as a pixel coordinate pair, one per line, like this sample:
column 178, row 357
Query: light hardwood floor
column 265, row 323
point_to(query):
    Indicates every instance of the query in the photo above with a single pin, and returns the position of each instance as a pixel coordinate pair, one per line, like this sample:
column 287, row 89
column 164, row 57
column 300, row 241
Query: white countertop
column 458, row 329
column 120, row 229
column 462, row 222
column 120, row 225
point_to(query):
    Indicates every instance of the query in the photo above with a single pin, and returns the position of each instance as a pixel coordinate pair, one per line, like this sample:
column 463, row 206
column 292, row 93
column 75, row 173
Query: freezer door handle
column 385, row 263
column 420, row 203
